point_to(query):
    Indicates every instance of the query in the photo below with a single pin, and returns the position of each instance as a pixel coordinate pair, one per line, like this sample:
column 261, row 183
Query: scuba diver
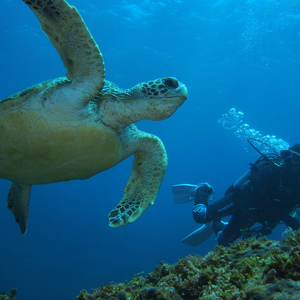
column 268, row 193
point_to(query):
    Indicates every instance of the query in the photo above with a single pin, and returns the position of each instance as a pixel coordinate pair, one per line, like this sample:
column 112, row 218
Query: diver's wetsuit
column 267, row 198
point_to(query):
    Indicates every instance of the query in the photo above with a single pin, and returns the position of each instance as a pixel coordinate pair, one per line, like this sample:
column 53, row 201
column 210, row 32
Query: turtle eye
column 170, row 82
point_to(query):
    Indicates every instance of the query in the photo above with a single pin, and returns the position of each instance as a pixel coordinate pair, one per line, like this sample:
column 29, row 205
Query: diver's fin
column 183, row 193
column 18, row 203
column 199, row 236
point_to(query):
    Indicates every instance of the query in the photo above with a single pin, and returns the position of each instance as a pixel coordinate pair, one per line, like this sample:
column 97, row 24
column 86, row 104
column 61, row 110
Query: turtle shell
column 38, row 145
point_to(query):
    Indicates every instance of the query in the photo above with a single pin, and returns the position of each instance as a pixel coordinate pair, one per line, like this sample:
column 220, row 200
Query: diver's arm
column 205, row 214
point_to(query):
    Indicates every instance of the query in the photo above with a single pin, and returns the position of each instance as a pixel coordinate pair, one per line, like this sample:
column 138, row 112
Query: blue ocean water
column 242, row 54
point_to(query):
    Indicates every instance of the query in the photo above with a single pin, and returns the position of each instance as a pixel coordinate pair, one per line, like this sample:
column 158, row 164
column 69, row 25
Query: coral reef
column 11, row 296
column 252, row 269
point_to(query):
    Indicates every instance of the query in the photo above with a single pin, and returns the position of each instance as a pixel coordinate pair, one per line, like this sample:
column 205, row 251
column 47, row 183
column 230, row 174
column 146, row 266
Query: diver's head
column 291, row 157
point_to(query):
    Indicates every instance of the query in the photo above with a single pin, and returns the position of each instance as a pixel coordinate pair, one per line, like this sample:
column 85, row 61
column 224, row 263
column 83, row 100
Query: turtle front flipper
column 148, row 170
column 78, row 50
column 18, row 203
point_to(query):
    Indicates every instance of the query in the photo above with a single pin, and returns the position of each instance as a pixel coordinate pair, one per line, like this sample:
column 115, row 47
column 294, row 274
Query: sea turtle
column 79, row 125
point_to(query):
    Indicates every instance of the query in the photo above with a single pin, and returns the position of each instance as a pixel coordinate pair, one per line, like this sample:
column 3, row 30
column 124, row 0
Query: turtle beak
column 169, row 102
column 176, row 95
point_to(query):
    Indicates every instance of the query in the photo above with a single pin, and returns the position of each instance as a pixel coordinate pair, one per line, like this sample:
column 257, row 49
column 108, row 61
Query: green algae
column 251, row 269
column 11, row 296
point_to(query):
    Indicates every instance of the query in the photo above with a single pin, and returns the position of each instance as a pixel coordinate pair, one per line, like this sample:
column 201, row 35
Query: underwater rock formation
column 11, row 296
column 251, row 269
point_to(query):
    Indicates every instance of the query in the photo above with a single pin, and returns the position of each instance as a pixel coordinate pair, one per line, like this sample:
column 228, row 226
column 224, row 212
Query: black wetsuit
column 267, row 197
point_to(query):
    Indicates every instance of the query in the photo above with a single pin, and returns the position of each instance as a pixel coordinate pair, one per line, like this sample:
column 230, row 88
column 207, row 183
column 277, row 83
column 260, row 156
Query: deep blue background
column 232, row 53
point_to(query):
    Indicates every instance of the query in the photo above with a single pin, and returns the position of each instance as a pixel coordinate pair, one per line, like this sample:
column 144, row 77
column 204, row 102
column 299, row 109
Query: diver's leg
column 221, row 208
column 292, row 222
column 218, row 226
column 237, row 224
column 204, row 191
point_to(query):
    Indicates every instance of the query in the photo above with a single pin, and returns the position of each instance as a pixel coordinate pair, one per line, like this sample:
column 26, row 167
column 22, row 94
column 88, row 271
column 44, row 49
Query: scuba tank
column 264, row 161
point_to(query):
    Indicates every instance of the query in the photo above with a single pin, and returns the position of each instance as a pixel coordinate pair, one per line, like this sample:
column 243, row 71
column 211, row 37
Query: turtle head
column 160, row 97
column 153, row 100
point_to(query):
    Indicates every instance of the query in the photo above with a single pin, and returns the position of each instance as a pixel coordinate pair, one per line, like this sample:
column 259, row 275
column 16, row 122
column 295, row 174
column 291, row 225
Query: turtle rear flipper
column 18, row 203
column 78, row 50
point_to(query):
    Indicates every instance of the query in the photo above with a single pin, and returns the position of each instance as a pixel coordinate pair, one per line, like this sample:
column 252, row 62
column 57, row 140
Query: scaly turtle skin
column 77, row 126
